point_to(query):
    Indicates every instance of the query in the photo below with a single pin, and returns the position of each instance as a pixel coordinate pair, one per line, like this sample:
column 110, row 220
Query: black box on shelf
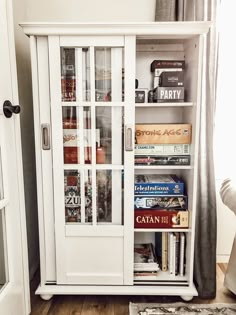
column 172, row 79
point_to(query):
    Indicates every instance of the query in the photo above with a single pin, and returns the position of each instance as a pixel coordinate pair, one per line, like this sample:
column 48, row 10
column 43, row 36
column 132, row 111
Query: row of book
column 170, row 250
column 167, row 255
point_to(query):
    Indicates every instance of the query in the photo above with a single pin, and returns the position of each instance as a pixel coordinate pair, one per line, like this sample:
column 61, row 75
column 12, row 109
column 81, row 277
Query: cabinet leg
column 46, row 297
column 186, row 298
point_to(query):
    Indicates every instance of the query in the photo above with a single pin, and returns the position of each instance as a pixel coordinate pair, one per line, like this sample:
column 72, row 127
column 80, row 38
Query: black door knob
column 9, row 109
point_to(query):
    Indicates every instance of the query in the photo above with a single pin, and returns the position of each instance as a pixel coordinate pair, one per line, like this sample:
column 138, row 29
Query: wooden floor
column 113, row 305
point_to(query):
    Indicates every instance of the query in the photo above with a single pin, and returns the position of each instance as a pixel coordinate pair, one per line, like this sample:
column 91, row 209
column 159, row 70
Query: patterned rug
column 181, row 309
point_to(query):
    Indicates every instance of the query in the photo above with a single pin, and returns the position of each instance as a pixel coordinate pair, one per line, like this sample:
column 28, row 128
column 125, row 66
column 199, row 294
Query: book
column 162, row 149
column 157, row 64
column 173, row 249
column 182, row 254
column 154, row 219
column 158, row 184
column 145, row 257
column 161, row 246
column 163, row 133
column 145, row 275
column 168, row 94
column 164, row 251
column 162, row 160
column 161, row 202
column 170, row 253
column 177, row 253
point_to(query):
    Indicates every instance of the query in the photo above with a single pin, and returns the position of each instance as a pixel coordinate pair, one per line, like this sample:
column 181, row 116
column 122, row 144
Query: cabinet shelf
column 163, row 277
column 180, row 104
column 165, row 167
column 161, row 230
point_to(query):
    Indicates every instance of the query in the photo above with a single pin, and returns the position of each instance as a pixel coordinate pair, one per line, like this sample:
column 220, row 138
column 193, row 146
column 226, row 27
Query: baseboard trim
column 222, row 258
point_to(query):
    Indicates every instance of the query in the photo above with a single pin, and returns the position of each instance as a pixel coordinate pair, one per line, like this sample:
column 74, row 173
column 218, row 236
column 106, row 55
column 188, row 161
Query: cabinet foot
column 46, row 297
column 186, row 298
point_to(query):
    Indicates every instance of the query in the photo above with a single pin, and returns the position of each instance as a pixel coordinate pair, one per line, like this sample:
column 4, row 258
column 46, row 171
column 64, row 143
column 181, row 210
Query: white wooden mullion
column 79, row 98
column 93, row 135
column 129, row 119
column 79, row 74
column 81, row 161
column 58, row 173
column 92, row 74
column 116, row 123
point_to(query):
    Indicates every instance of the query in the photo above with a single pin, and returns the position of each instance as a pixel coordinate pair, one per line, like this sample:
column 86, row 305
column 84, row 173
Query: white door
column 14, row 282
column 92, row 107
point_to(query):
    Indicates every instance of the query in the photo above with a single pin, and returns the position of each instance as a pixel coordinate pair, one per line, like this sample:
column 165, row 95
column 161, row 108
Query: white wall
column 90, row 10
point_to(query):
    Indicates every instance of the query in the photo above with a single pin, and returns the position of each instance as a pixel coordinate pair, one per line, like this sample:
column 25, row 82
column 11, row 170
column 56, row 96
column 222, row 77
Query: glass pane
column 109, row 74
column 77, row 209
column 68, row 81
column 75, row 74
column 86, row 74
column 3, row 261
column 1, row 178
column 103, row 74
column 71, row 135
column 109, row 196
column 109, row 122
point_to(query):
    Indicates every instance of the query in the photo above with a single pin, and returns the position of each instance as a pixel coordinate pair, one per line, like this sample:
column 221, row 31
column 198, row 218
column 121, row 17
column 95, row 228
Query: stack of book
column 160, row 202
column 168, row 80
column 145, row 262
column 162, row 144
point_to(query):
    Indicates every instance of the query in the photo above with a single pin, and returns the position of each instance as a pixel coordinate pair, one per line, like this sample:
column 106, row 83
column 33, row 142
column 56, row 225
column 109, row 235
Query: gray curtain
column 205, row 241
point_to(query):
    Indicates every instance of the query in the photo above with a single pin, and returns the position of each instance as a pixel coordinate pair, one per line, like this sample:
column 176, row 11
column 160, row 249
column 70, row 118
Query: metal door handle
column 45, row 130
column 9, row 109
column 128, row 138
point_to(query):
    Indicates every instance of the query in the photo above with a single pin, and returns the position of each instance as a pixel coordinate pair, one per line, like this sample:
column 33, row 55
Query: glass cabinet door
column 88, row 113
column 93, row 142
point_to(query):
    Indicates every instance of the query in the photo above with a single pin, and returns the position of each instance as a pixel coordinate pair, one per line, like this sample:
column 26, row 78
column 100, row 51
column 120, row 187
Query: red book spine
column 160, row 218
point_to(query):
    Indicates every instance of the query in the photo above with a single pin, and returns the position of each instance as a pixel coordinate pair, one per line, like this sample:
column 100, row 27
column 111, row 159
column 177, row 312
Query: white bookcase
column 85, row 115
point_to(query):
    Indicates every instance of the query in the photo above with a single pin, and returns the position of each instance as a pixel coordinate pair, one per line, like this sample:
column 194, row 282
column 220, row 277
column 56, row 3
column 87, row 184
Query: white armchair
column 228, row 196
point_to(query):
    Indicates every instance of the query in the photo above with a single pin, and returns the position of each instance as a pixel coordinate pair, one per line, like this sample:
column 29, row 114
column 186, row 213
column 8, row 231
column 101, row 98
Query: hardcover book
column 163, row 133
column 161, row 202
column 158, row 184
column 162, row 160
column 144, row 218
